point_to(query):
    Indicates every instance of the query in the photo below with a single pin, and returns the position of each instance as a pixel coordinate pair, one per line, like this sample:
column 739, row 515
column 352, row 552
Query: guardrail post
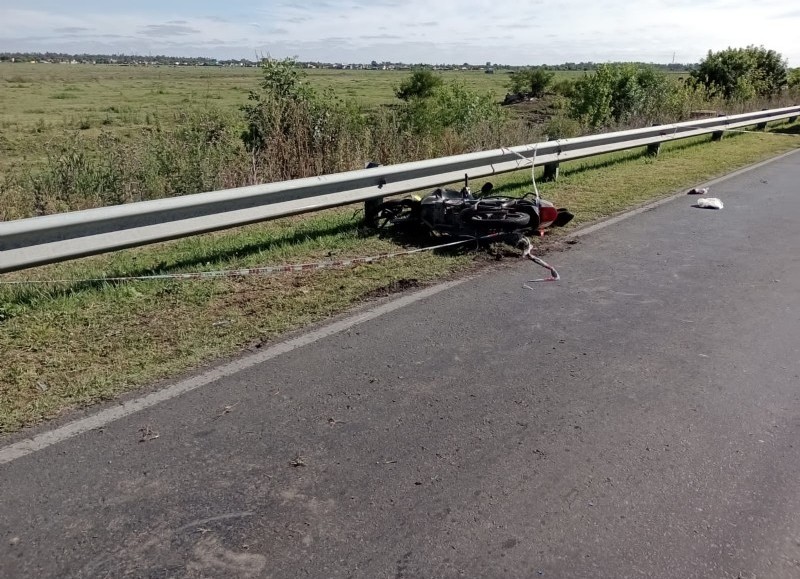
column 761, row 126
column 653, row 149
column 550, row 169
column 550, row 172
column 371, row 206
column 717, row 135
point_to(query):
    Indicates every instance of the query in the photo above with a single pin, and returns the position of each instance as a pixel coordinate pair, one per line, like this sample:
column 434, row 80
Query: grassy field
column 67, row 345
column 40, row 102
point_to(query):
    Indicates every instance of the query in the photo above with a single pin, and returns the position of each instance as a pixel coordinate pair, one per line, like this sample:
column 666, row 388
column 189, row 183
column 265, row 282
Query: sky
column 514, row 32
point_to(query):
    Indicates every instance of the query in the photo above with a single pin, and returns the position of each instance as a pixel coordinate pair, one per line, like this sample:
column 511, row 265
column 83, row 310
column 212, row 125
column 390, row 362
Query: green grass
column 117, row 98
column 70, row 345
column 40, row 101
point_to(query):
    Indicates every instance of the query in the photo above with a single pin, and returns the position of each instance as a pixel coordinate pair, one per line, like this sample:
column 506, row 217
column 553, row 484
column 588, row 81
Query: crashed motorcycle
column 460, row 214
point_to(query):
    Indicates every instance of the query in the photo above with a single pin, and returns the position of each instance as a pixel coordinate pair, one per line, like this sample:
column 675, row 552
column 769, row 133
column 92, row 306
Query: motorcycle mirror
column 487, row 187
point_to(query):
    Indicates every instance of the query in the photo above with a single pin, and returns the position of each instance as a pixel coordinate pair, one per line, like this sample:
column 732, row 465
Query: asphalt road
column 640, row 418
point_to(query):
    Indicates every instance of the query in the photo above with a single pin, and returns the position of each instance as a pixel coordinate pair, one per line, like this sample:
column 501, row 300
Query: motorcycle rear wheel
column 501, row 219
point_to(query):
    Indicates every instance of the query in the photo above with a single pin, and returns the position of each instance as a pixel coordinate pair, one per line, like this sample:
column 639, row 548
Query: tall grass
column 288, row 130
column 202, row 153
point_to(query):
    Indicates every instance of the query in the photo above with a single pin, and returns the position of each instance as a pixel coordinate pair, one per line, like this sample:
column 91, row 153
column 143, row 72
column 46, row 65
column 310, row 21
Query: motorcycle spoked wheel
column 397, row 212
column 502, row 219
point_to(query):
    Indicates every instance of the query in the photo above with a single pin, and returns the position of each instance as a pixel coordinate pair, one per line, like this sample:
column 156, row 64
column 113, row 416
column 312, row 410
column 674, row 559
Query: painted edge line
column 43, row 440
column 48, row 438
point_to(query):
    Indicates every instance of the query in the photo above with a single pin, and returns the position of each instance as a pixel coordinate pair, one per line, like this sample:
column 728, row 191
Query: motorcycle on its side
column 460, row 214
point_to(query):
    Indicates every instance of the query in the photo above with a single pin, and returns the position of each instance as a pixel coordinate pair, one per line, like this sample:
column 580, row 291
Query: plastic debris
column 709, row 203
column 147, row 434
column 698, row 191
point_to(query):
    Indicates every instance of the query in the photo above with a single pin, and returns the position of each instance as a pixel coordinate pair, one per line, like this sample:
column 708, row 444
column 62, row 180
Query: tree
column 533, row 81
column 742, row 73
column 420, row 84
column 793, row 78
column 617, row 92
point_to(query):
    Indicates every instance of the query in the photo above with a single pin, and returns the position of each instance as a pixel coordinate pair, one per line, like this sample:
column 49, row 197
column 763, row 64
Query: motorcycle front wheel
column 398, row 212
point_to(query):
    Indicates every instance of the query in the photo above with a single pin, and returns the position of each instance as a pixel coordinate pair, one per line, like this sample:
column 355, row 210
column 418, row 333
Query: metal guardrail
column 36, row 241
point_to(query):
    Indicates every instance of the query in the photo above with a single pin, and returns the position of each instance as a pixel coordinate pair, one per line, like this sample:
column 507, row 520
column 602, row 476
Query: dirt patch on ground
column 537, row 111
column 392, row 287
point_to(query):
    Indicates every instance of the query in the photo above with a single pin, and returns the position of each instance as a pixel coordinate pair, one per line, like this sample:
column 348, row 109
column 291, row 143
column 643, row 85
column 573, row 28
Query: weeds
column 289, row 129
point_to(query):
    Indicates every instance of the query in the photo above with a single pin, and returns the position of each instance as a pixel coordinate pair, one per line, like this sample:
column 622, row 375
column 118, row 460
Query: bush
column 451, row 106
column 562, row 127
column 292, row 131
column 564, row 87
column 74, row 178
column 531, row 81
column 793, row 78
column 203, row 152
column 420, row 85
column 619, row 92
column 741, row 74
column 16, row 201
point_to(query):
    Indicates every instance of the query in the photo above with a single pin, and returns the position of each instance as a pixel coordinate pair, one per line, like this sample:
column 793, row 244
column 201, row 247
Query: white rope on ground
column 527, row 253
column 235, row 273
column 276, row 269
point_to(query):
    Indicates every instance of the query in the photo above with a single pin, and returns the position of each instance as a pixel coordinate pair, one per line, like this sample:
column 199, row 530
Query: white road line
column 45, row 439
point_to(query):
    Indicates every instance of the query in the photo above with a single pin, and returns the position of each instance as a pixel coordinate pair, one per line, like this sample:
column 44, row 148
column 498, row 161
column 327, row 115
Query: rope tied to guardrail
column 532, row 162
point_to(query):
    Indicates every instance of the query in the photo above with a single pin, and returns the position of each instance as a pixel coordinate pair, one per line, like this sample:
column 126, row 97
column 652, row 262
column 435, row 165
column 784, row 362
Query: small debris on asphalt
column 698, row 191
column 297, row 461
column 14, row 541
column 147, row 434
column 708, row 203
column 227, row 410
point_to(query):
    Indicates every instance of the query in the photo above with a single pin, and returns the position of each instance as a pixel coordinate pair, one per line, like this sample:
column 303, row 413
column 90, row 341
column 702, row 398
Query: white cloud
column 421, row 30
